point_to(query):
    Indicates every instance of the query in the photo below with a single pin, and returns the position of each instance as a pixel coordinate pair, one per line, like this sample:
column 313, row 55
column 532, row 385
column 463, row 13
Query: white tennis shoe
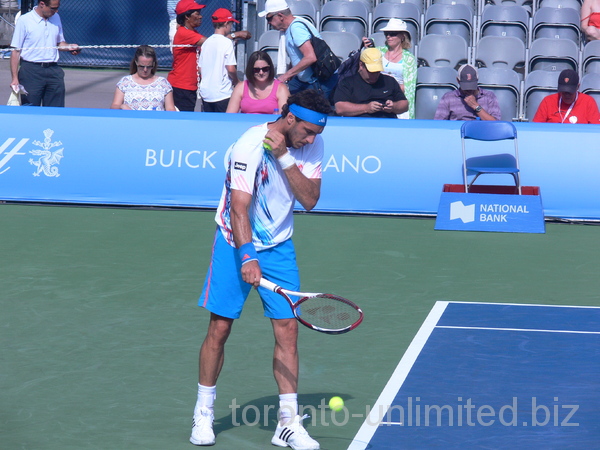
column 294, row 435
column 202, row 428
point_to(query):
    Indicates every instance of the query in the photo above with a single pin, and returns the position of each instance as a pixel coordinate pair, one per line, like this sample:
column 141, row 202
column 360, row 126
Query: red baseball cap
column 223, row 15
column 187, row 5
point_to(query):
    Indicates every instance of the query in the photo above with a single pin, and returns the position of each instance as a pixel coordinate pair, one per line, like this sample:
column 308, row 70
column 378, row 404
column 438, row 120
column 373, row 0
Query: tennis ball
column 336, row 403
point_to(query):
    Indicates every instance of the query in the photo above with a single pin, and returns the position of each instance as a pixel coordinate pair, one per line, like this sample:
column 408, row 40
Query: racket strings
column 328, row 312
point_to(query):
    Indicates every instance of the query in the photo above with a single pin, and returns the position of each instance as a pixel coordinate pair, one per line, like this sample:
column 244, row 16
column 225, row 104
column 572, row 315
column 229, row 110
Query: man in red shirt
column 568, row 105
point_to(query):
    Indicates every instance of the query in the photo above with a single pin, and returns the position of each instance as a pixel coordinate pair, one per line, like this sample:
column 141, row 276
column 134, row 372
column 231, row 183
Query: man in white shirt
column 218, row 66
column 37, row 38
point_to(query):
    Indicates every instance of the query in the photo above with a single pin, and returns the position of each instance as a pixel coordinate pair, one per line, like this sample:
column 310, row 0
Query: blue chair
column 504, row 163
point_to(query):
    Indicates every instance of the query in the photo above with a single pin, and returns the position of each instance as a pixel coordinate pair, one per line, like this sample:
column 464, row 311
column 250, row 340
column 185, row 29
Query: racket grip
column 268, row 285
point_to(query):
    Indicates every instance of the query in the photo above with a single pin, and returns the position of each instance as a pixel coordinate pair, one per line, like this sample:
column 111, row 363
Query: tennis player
column 270, row 167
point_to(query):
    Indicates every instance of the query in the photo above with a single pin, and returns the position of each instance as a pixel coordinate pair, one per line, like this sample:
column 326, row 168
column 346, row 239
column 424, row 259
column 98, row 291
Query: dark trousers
column 220, row 106
column 44, row 83
column 184, row 99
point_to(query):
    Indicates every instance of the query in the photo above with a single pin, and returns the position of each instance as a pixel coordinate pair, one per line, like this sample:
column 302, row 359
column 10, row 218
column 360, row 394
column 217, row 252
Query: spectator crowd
column 380, row 81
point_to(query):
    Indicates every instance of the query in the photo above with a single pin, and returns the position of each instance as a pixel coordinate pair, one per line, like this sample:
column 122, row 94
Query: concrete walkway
column 86, row 88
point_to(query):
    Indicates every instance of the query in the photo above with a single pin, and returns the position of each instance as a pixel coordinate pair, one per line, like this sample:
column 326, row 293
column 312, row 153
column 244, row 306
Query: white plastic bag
column 15, row 95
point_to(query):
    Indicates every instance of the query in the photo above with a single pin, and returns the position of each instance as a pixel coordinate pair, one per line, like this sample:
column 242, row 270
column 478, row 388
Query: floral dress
column 405, row 72
column 145, row 97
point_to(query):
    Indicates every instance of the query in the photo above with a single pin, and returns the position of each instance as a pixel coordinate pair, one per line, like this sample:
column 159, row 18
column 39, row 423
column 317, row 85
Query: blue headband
column 309, row 115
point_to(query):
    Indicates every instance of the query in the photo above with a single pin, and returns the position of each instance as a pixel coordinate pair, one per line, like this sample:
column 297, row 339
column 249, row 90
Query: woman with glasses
column 261, row 93
column 142, row 89
column 399, row 62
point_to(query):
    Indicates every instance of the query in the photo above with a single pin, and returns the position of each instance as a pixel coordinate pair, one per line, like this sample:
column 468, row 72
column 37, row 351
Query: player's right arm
column 242, row 233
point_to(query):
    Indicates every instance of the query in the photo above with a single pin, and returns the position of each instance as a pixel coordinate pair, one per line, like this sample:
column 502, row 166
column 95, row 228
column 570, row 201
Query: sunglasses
column 391, row 33
column 264, row 69
column 270, row 18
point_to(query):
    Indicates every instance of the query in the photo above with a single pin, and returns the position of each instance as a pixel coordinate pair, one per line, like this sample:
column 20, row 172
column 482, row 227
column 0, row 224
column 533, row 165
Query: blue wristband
column 247, row 253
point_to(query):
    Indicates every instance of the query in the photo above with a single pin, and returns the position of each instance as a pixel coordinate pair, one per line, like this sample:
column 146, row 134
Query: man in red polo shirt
column 568, row 105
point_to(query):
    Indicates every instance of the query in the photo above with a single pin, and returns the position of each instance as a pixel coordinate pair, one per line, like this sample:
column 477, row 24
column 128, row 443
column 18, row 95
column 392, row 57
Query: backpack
column 327, row 63
column 350, row 65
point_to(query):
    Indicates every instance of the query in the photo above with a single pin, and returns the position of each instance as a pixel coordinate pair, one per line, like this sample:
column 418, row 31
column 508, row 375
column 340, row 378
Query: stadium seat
column 405, row 11
column 346, row 16
column 505, row 20
column 526, row 4
column 269, row 42
column 378, row 38
column 471, row 4
column 432, row 84
column 501, row 53
column 449, row 20
column 590, row 84
column 538, row 84
column 486, row 131
column 558, row 23
column 341, row 43
column 418, row 3
column 442, row 51
column 506, row 85
column 591, row 57
column 305, row 9
column 553, row 55
column 575, row 4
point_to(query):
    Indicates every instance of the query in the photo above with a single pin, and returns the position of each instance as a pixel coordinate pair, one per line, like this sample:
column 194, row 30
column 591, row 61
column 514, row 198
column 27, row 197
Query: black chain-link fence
column 116, row 23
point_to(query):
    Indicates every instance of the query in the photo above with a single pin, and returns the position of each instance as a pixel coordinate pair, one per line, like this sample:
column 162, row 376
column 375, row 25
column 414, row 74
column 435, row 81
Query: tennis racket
column 326, row 313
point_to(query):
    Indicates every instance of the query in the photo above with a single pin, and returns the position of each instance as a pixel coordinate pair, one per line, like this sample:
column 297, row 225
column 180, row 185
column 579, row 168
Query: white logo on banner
column 47, row 159
column 466, row 213
column 10, row 153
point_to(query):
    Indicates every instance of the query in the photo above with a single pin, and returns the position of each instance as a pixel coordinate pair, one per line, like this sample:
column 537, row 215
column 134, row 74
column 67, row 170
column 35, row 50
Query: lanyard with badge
column 568, row 110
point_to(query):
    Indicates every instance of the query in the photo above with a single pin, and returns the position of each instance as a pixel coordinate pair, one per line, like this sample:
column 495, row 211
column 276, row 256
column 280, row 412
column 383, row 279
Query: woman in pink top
column 261, row 93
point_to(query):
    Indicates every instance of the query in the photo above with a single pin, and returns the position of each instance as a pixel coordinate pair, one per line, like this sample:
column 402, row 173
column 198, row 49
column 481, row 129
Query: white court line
column 518, row 329
column 369, row 426
column 526, row 304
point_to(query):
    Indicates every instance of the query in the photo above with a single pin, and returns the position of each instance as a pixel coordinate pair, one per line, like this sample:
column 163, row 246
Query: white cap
column 272, row 6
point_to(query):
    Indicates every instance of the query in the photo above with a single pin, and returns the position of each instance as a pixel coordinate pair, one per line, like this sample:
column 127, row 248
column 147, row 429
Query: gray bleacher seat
column 437, row 50
column 591, row 57
column 305, row 9
column 506, row 85
column 590, row 84
column 499, row 52
column 405, row 11
column 449, row 20
column 471, row 4
column 527, row 4
column 575, row 4
column 418, row 3
column 559, row 23
column 553, row 55
column 432, row 84
column 538, row 84
column 269, row 42
column 347, row 16
column 505, row 20
column 341, row 43
column 378, row 38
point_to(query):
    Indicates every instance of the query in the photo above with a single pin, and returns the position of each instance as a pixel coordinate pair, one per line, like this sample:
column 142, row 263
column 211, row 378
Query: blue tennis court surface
column 481, row 375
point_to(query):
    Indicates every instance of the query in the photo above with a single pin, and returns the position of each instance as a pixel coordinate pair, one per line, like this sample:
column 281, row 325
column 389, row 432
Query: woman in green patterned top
column 399, row 62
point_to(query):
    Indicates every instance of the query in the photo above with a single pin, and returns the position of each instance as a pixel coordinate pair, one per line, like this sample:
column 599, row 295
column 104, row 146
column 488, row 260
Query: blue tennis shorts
column 224, row 292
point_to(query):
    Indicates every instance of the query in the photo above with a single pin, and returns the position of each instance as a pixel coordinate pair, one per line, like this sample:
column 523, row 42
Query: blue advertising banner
column 490, row 212
column 381, row 166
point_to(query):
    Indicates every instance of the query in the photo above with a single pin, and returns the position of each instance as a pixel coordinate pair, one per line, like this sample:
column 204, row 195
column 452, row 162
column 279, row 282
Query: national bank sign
column 490, row 212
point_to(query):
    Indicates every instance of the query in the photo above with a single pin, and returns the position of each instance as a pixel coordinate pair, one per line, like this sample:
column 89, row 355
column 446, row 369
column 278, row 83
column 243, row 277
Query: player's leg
column 224, row 294
column 279, row 265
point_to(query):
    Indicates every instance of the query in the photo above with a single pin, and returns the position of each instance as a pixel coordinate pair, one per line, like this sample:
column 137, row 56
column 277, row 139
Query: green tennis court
column 100, row 330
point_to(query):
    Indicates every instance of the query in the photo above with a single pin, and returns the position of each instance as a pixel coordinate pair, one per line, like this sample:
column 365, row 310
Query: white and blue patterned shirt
column 254, row 170
column 144, row 97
